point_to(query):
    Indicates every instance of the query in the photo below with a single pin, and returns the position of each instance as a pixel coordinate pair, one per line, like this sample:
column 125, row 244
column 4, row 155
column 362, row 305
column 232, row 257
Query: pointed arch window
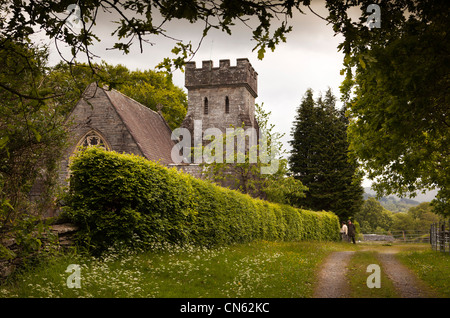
column 227, row 105
column 205, row 106
column 90, row 139
column 93, row 138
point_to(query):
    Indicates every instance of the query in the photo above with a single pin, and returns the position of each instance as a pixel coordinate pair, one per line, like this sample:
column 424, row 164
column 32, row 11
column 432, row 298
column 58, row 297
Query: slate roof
column 149, row 129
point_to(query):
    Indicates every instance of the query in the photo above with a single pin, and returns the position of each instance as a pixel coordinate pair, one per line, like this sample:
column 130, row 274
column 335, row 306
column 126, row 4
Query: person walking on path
column 344, row 231
column 351, row 232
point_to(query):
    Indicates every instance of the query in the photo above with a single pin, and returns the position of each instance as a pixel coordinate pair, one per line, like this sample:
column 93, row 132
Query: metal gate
column 440, row 236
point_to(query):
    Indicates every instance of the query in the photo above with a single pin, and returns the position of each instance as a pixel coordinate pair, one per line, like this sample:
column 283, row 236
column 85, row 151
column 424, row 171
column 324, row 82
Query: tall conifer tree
column 319, row 157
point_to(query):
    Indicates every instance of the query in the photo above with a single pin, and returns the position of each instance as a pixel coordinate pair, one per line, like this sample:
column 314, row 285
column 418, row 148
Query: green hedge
column 120, row 197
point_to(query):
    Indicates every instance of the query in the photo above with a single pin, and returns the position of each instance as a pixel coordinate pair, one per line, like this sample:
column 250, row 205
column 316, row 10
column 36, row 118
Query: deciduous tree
column 397, row 94
column 31, row 132
column 372, row 217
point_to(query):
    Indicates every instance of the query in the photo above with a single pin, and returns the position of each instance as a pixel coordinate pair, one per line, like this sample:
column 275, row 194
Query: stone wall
column 64, row 233
column 378, row 237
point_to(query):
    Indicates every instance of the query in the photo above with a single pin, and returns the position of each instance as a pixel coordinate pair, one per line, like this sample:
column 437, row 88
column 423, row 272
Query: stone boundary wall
column 378, row 237
column 64, row 232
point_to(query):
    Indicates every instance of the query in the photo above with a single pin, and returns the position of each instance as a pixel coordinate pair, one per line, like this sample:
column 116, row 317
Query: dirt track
column 332, row 276
column 333, row 282
column 405, row 282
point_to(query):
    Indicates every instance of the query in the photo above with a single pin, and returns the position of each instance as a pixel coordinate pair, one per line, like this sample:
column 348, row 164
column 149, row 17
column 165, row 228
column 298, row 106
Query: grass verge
column 358, row 276
column 431, row 266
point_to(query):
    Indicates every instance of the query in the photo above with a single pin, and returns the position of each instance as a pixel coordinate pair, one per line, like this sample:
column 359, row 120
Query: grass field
column 258, row 269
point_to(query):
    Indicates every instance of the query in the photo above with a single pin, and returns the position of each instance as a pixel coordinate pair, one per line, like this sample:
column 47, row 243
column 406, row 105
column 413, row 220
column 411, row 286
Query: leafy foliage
column 285, row 189
column 373, row 217
column 141, row 21
column 120, row 197
column 396, row 89
column 245, row 175
column 31, row 133
column 418, row 218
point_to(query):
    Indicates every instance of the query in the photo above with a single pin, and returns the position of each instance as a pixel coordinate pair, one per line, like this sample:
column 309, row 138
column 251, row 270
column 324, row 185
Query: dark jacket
column 351, row 229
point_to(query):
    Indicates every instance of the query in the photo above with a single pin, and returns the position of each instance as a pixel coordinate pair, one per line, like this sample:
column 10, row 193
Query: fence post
column 443, row 236
column 434, row 236
column 438, row 236
column 431, row 235
column 447, row 235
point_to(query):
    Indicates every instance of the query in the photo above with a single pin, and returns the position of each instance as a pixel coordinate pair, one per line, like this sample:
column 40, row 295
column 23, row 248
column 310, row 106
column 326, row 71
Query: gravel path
column 406, row 283
column 332, row 280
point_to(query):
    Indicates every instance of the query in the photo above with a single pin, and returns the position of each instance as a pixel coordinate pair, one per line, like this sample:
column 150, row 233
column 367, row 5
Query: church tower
column 221, row 96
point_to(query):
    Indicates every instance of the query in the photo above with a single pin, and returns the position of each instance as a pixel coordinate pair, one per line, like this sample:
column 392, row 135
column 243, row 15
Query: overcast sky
column 308, row 59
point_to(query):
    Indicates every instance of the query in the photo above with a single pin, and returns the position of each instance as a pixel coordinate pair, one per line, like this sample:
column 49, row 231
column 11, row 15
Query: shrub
column 121, row 197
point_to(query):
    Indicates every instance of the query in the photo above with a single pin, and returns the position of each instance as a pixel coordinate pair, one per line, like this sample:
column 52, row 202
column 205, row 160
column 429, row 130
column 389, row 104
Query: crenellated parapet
column 208, row 76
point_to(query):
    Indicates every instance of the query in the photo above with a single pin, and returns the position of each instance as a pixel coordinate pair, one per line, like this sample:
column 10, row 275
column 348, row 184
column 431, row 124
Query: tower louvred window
column 205, row 110
column 227, row 105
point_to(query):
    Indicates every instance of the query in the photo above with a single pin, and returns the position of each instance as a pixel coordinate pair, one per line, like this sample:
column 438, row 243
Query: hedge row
column 121, row 197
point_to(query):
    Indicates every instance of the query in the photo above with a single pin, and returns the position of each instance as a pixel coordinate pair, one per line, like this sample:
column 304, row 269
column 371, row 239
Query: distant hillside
column 397, row 204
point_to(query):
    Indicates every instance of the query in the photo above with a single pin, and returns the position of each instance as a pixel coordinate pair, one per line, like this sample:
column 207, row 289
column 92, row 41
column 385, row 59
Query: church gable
column 148, row 128
column 95, row 112
column 113, row 121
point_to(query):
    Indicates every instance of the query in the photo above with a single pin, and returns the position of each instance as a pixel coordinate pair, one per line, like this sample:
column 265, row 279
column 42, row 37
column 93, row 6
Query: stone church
column 218, row 96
